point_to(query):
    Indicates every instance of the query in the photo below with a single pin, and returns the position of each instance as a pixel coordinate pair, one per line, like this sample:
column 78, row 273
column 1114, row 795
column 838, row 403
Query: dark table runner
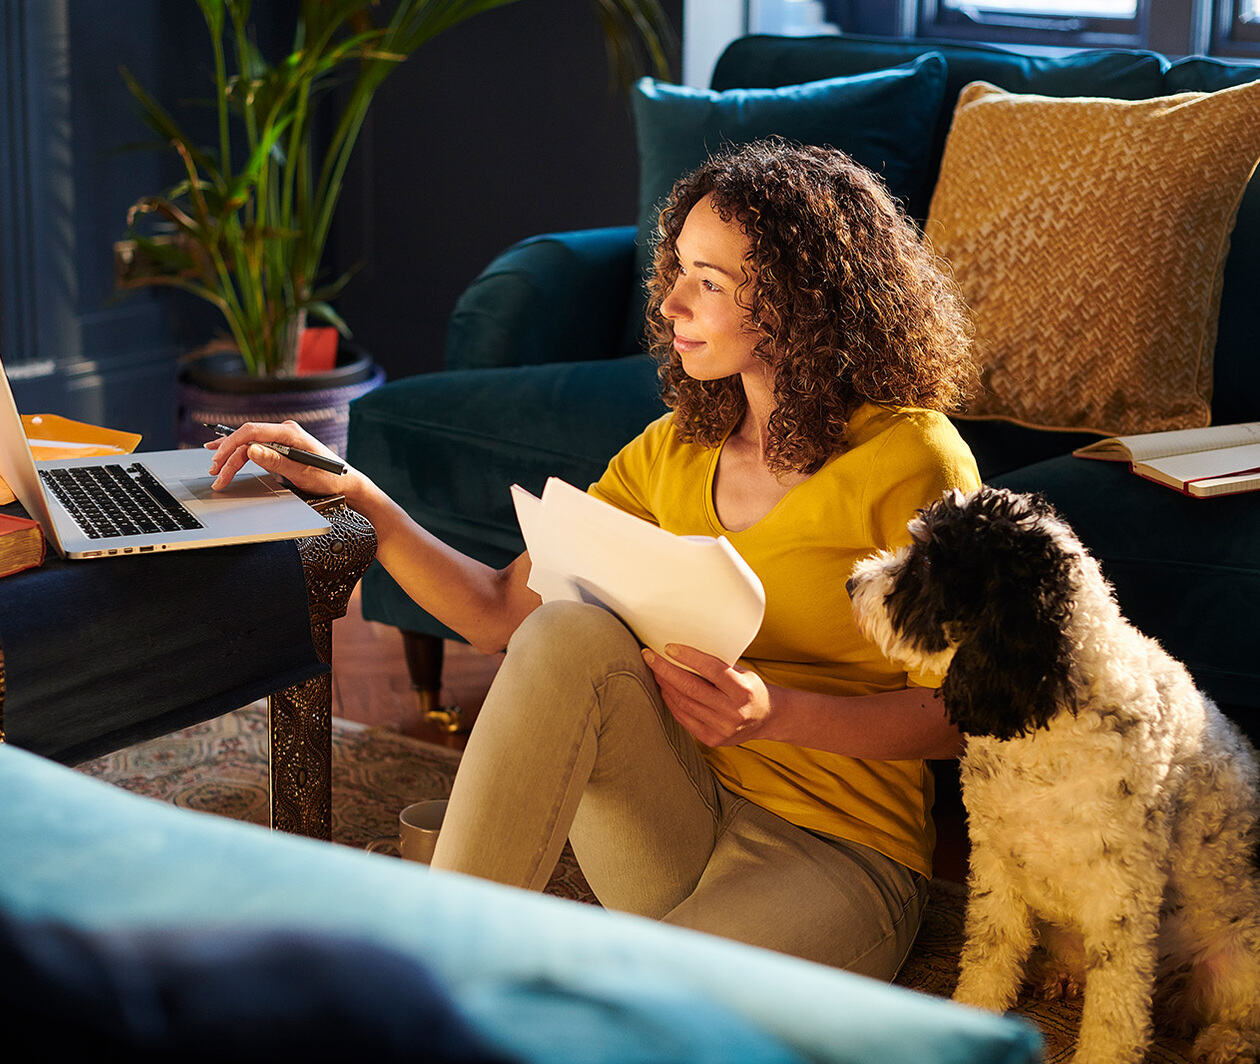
column 106, row 652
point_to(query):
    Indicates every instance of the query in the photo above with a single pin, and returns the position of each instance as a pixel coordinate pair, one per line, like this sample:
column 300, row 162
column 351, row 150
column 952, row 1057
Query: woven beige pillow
column 1089, row 238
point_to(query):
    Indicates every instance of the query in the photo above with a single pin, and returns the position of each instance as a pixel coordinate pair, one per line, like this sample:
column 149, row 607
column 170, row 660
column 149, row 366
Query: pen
column 331, row 465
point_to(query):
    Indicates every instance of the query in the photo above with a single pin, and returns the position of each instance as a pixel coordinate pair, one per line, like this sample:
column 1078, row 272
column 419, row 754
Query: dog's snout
column 850, row 586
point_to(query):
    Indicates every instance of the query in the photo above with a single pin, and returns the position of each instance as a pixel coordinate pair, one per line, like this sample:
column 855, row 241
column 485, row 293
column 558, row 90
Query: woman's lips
column 684, row 345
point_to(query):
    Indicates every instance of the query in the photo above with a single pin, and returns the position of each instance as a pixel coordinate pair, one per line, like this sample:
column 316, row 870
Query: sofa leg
column 424, row 654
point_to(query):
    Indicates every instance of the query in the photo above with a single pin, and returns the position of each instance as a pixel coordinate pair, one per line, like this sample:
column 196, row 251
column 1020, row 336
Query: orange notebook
column 53, row 436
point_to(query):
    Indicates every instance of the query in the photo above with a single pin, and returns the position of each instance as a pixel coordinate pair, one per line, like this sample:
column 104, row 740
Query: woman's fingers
column 226, row 463
column 715, row 670
column 288, row 432
column 711, row 705
column 248, row 443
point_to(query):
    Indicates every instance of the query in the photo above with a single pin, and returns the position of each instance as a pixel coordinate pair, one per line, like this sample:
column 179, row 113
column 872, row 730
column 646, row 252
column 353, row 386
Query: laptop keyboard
column 110, row 500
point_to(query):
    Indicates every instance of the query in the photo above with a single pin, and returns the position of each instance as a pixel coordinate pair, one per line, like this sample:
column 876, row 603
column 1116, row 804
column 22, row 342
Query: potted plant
column 246, row 227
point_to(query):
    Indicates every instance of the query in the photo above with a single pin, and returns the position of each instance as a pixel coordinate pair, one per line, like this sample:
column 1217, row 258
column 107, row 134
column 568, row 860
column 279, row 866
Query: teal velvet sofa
column 134, row 931
column 546, row 376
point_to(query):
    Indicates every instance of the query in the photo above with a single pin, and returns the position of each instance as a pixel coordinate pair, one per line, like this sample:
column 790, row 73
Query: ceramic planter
column 215, row 389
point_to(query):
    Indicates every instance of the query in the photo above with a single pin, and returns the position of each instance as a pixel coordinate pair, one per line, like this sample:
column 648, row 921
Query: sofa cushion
column 1002, row 446
column 884, row 119
column 1186, row 571
column 1089, row 238
column 768, row 61
column 245, row 995
column 448, row 447
column 95, row 859
column 1236, row 377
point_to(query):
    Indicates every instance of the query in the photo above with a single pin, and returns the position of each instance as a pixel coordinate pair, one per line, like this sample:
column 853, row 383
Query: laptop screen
column 17, row 464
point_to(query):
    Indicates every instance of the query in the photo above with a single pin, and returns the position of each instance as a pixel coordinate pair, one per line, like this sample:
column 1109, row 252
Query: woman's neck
column 745, row 489
column 754, row 428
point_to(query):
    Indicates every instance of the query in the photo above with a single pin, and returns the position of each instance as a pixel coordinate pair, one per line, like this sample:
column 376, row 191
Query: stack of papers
column 693, row 590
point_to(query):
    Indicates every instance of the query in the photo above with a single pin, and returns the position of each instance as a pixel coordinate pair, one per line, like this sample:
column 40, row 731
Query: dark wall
column 502, row 128
column 68, row 345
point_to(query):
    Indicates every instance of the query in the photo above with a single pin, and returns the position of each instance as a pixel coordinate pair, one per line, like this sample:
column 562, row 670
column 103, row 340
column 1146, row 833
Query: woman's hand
column 245, row 444
column 722, row 706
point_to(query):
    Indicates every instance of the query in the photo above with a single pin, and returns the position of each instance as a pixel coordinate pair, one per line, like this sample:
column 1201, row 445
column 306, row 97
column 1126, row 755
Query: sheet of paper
column 694, row 590
column 1208, row 463
column 1176, row 441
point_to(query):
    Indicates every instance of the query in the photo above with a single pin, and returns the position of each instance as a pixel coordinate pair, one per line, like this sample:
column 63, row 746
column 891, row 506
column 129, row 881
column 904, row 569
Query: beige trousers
column 574, row 741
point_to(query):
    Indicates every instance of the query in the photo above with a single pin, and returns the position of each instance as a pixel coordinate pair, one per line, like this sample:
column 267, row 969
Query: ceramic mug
column 418, row 827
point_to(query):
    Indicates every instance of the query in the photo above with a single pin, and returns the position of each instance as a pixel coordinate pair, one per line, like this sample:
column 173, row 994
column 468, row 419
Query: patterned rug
column 221, row 767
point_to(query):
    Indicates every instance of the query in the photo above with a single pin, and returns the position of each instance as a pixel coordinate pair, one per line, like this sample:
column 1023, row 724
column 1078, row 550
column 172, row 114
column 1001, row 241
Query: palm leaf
column 251, row 233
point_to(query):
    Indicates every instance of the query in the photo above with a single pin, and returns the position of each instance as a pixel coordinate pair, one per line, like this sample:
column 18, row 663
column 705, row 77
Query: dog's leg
column 1225, row 994
column 1212, row 927
column 999, row 939
column 1121, row 957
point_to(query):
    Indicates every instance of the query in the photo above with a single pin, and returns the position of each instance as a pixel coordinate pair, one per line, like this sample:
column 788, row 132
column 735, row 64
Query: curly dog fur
column 1112, row 808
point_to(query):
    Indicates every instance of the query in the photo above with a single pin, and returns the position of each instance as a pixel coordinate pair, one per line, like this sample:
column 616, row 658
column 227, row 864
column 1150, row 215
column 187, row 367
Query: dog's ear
column 1010, row 673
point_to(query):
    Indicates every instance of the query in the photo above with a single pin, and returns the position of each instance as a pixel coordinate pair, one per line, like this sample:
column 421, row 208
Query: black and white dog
column 1112, row 808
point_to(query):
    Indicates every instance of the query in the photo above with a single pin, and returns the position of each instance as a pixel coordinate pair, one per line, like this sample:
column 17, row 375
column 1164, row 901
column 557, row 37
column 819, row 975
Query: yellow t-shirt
column 803, row 550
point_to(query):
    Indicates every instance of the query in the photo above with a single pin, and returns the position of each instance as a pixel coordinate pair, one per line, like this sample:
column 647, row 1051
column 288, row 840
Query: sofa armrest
column 559, row 297
column 543, row 978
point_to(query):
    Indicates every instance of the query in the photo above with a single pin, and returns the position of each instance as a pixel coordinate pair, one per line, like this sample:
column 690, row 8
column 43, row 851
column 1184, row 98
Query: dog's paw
column 1054, row 978
column 984, row 993
column 1056, row 985
column 1222, row 1044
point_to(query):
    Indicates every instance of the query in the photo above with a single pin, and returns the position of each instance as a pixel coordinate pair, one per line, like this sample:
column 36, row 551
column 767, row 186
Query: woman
column 807, row 344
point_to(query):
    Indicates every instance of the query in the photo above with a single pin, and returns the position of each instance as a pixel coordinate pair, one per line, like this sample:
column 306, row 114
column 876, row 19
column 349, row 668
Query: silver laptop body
column 255, row 507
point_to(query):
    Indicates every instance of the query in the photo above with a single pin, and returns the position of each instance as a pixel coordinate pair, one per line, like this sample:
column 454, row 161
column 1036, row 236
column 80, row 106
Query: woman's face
column 712, row 334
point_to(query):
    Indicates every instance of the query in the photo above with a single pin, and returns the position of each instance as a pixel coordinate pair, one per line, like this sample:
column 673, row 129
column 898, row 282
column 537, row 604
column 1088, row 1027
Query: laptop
column 101, row 507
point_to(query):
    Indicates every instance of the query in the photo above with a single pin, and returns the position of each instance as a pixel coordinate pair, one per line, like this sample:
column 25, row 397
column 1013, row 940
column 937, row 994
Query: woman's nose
column 672, row 307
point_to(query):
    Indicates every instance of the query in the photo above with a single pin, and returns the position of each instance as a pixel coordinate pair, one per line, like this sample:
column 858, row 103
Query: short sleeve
column 627, row 481
column 923, row 458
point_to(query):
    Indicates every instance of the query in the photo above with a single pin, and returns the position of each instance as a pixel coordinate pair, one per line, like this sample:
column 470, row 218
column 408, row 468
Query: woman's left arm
column 724, row 706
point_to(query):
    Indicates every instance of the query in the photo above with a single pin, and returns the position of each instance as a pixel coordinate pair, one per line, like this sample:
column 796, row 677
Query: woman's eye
column 711, row 286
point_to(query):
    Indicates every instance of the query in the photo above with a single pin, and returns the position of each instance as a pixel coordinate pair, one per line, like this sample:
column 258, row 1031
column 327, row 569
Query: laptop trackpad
column 244, row 486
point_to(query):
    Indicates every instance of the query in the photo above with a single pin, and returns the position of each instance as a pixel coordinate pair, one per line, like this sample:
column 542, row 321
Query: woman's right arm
column 482, row 604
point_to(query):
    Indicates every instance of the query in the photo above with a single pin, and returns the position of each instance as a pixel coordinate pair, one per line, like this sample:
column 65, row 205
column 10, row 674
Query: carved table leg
column 300, row 717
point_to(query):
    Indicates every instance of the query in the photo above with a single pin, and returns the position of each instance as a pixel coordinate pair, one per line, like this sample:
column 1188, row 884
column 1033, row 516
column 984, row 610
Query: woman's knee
column 573, row 631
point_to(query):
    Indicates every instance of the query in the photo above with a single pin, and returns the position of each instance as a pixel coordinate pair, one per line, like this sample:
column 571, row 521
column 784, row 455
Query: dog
column 1111, row 807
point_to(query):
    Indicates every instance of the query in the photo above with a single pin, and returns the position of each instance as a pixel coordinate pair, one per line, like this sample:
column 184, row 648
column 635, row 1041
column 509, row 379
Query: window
column 1237, row 28
column 1066, row 10
column 1078, row 23
column 1173, row 27
column 1228, row 28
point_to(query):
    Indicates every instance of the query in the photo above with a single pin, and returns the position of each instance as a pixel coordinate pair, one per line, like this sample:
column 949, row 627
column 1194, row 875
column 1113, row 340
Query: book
column 693, row 590
column 21, row 544
column 1217, row 460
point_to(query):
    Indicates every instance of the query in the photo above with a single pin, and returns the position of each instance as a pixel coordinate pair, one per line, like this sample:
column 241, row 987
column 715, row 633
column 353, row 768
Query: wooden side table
column 301, row 715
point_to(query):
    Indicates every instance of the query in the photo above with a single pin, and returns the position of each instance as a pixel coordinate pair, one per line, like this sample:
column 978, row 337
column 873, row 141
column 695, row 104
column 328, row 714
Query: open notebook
column 1216, row 460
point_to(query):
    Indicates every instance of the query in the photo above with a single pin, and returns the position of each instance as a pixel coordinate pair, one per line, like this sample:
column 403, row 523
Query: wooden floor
column 371, row 686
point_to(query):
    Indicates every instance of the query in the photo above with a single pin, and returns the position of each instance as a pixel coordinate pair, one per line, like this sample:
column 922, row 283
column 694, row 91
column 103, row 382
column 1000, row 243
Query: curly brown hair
column 851, row 305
